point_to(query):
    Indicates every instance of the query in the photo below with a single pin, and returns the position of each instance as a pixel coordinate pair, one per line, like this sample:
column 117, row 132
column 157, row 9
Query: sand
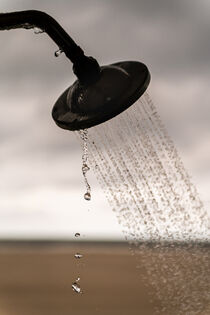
column 36, row 279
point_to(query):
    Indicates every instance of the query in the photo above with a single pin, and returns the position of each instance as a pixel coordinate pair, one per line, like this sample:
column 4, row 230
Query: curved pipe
column 83, row 66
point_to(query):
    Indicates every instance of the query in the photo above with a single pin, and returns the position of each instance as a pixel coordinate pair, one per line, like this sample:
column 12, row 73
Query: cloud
column 171, row 37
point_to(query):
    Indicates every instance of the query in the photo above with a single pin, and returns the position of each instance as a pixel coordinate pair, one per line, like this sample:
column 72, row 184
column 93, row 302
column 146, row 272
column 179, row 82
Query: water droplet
column 85, row 168
column 77, row 234
column 80, row 98
column 76, row 287
column 78, row 255
column 87, row 196
column 38, row 30
column 27, row 26
column 58, row 52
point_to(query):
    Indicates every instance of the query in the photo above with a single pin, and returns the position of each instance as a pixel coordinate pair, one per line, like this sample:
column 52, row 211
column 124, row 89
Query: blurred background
column 41, row 188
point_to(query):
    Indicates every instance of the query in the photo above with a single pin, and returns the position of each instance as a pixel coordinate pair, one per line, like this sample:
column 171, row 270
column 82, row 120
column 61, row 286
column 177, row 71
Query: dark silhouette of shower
column 100, row 93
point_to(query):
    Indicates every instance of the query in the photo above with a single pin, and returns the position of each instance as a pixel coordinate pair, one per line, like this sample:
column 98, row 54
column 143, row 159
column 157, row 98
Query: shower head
column 100, row 93
column 117, row 87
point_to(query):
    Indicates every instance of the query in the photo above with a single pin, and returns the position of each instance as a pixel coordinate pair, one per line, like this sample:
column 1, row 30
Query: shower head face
column 118, row 87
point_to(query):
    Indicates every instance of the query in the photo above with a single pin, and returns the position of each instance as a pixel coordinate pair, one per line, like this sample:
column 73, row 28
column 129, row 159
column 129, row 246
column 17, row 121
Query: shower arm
column 85, row 68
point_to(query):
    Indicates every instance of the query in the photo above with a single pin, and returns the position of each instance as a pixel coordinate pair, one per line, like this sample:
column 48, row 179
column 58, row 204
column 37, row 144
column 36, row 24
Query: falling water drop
column 78, row 255
column 38, row 30
column 77, row 234
column 87, row 196
column 58, row 52
column 85, row 168
column 76, row 287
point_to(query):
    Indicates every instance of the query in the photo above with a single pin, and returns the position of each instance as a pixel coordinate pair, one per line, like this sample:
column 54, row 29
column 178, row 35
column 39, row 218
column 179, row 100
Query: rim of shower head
column 118, row 87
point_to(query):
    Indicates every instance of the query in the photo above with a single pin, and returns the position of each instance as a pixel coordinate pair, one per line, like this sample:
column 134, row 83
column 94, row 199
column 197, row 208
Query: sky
column 41, row 188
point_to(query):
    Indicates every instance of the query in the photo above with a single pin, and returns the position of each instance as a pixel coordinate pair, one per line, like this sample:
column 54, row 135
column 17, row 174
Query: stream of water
column 147, row 186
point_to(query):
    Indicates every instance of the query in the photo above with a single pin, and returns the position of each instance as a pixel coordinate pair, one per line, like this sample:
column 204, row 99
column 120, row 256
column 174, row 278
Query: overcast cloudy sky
column 41, row 185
